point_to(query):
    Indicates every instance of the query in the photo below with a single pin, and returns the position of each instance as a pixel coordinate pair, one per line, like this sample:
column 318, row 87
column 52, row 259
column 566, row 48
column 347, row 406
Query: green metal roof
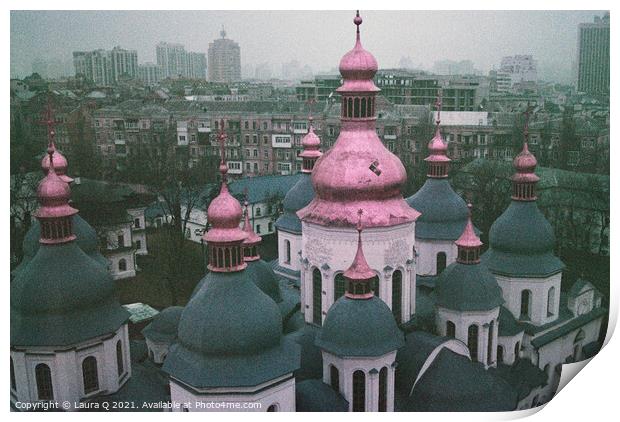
column 164, row 326
column 523, row 376
column 316, row 396
column 567, row 328
column 140, row 312
column 467, row 287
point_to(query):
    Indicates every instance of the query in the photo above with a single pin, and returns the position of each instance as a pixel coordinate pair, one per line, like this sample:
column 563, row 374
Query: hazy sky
column 315, row 38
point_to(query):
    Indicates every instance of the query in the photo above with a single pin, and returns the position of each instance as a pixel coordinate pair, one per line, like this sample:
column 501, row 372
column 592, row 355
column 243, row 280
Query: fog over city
column 314, row 38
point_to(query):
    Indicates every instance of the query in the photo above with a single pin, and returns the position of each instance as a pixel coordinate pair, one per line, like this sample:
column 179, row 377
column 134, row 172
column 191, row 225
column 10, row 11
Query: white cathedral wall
column 295, row 242
column 332, row 249
column 426, row 262
column 157, row 350
column 66, row 369
column 539, row 288
column 462, row 321
column 508, row 345
column 346, row 368
column 279, row 392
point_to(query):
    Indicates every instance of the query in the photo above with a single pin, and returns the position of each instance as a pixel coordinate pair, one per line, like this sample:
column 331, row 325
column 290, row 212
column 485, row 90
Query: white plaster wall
column 426, row 263
column 141, row 236
column 346, row 368
column 159, row 350
column 295, row 241
column 508, row 344
column 462, row 322
column 280, row 392
column 66, row 369
column 539, row 288
column 128, row 256
column 332, row 249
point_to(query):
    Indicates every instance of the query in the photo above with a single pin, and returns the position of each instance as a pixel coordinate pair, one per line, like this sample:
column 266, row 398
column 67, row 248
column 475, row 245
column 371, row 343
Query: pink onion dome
column 525, row 163
column 358, row 66
column 437, row 148
column 469, row 240
column 53, row 194
column 311, row 143
column 60, row 162
column 358, row 171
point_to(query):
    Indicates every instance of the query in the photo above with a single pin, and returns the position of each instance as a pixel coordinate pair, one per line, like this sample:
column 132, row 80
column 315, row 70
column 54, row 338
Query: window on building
column 120, row 367
column 375, row 285
column 269, row 227
column 383, row 374
column 339, row 286
column 120, row 240
column 526, row 297
column 122, row 265
column 550, row 301
column 472, row 341
column 89, row 374
column 441, row 262
column 517, row 351
column 258, row 211
column 258, row 229
column 359, row 391
column 136, row 223
column 500, row 354
column 450, row 329
column 317, row 296
column 13, row 383
column 397, row 289
column 43, row 376
column 287, row 247
column 334, row 377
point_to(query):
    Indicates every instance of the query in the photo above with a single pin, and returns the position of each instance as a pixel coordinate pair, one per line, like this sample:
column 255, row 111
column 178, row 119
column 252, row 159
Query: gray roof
column 316, row 396
column 164, row 326
column 452, row 383
column 521, row 243
column 444, row 213
column 260, row 188
column 467, row 287
column 298, row 197
column 230, row 325
column 61, row 298
column 359, row 327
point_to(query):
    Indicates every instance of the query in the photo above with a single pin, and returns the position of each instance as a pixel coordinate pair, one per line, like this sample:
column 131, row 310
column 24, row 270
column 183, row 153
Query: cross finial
column 357, row 21
column 50, row 122
column 438, row 105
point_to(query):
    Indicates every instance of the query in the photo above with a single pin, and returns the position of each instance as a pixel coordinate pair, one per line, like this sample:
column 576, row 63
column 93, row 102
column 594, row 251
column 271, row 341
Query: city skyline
column 550, row 36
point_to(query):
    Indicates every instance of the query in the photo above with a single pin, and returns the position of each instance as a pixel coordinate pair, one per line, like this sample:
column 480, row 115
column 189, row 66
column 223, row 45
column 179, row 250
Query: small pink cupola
column 252, row 241
column 468, row 245
column 310, row 144
column 225, row 238
column 359, row 276
column 524, row 180
column 60, row 162
column 438, row 161
column 54, row 213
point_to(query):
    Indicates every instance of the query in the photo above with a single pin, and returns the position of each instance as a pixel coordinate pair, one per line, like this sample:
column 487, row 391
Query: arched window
column 383, row 373
column 397, row 295
column 472, row 342
column 89, row 374
column 43, row 376
column 13, row 383
column 517, row 351
column 122, row 265
column 272, row 408
column 334, row 377
column 375, row 285
column 287, row 246
column 339, row 286
column 500, row 354
column 490, row 342
column 550, row 301
column 359, row 391
column 441, row 262
column 450, row 329
column 526, row 297
column 317, row 296
column 119, row 358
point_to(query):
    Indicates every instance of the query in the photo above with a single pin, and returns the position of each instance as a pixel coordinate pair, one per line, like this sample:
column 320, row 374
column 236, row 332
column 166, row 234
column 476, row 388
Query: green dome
column 359, row 327
column 521, row 243
column 463, row 287
column 86, row 239
column 230, row 335
column 298, row 197
column 263, row 276
column 444, row 213
column 63, row 297
column 165, row 325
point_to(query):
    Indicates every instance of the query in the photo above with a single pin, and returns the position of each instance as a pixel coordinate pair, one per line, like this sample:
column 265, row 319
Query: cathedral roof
column 265, row 279
column 316, row 396
column 444, row 213
column 164, row 326
column 298, row 197
column 355, row 327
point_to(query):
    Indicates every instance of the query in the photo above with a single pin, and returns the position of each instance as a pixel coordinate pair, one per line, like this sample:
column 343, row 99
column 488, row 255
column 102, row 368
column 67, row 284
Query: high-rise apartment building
column 224, row 60
column 106, row 67
column 593, row 61
column 175, row 62
column 149, row 73
column 521, row 68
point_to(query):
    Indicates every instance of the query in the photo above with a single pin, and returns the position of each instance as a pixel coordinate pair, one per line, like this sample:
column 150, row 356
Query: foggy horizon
column 314, row 38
